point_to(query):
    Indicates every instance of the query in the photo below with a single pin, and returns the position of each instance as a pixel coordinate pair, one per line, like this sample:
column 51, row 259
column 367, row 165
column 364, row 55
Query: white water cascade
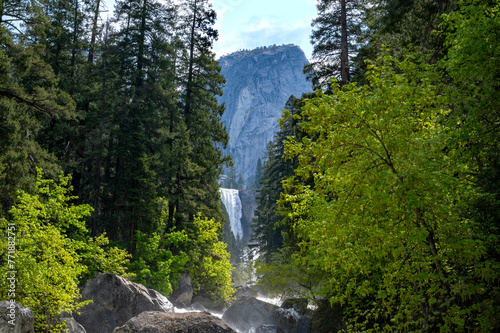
column 232, row 202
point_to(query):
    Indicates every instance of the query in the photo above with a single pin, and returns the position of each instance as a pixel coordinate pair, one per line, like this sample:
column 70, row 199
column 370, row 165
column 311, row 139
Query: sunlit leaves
column 382, row 219
column 52, row 251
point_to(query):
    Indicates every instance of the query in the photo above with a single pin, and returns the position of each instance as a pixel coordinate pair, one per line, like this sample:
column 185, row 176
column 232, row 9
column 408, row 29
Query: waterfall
column 231, row 200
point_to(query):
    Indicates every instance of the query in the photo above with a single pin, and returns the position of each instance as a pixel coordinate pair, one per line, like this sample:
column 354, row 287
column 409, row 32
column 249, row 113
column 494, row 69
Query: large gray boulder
column 248, row 312
column 14, row 318
column 208, row 303
column 159, row 322
column 304, row 324
column 115, row 300
column 245, row 292
column 183, row 295
column 72, row 326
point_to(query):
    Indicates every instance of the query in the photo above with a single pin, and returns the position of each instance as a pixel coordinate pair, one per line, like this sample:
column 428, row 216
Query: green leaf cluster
column 383, row 222
column 210, row 268
column 160, row 257
column 52, row 252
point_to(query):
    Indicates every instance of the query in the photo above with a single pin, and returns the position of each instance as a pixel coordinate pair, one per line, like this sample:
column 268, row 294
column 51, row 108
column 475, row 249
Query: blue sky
column 247, row 24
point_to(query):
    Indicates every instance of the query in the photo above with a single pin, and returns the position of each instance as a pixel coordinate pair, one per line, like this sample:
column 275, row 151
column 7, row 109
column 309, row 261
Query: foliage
column 383, row 220
column 266, row 226
column 158, row 258
column 28, row 97
column 52, row 251
column 209, row 267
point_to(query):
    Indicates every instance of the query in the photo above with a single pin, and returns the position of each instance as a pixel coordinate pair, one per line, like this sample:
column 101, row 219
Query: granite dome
column 258, row 84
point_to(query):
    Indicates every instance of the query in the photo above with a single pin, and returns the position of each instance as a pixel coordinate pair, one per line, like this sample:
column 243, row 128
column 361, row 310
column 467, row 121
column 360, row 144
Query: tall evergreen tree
column 334, row 40
column 200, row 162
column 29, row 97
column 143, row 38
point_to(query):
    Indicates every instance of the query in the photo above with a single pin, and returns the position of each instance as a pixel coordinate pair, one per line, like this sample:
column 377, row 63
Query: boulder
column 197, row 307
column 115, row 300
column 182, row 296
column 244, row 292
column 286, row 318
column 14, row 318
column 72, row 325
column 160, row 322
column 248, row 312
column 208, row 303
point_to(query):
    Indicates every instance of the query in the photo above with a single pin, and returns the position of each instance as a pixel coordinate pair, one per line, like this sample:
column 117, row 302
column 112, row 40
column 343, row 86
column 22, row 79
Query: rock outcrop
column 207, row 302
column 116, row 300
column 258, row 85
column 248, row 206
column 72, row 326
column 14, row 318
column 159, row 322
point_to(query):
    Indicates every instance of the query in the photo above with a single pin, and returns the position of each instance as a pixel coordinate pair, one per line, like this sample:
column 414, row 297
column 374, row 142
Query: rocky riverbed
column 119, row 306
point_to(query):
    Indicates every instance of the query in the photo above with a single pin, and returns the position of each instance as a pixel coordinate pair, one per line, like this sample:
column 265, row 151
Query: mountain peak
column 258, row 84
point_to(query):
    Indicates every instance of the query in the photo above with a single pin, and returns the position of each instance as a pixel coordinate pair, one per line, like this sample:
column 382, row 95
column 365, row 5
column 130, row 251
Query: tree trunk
column 94, row 33
column 344, row 52
column 187, row 108
column 75, row 39
column 140, row 55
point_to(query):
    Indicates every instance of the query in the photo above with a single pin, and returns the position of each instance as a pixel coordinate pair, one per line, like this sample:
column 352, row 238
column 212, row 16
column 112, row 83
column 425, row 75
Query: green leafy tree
column 52, row 252
column 160, row 256
column 472, row 36
column 382, row 225
column 209, row 267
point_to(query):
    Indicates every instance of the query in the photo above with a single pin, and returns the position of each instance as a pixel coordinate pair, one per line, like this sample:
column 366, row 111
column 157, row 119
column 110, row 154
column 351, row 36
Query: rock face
column 72, row 326
column 159, row 322
column 22, row 317
column 258, row 84
column 116, row 300
column 248, row 206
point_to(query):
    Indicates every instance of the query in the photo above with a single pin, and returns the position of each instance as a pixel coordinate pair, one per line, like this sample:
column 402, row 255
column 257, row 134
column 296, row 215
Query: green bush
column 51, row 252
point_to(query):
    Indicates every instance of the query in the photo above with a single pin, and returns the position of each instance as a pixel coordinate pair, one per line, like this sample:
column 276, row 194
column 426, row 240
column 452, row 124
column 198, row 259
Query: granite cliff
column 258, row 84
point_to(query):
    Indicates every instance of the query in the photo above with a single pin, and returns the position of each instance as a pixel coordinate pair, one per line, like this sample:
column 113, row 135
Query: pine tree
column 334, row 40
column 140, row 116
column 199, row 164
column 29, row 97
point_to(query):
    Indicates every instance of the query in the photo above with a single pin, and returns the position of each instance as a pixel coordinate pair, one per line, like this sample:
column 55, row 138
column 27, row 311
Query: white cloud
column 264, row 31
